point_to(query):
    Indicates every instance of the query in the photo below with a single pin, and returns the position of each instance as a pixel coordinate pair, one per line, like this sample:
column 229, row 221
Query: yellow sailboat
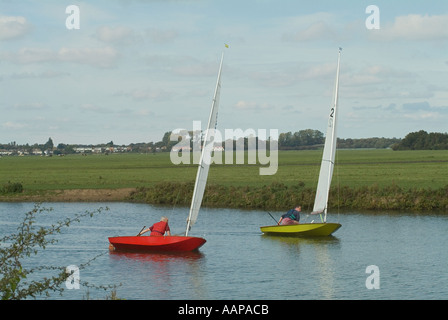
column 323, row 186
column 303, row 229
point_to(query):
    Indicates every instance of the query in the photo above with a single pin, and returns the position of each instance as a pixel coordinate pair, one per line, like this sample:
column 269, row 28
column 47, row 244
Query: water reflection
column 298, row 241
column 158, row 273
column 154, row 257
column 319, row 248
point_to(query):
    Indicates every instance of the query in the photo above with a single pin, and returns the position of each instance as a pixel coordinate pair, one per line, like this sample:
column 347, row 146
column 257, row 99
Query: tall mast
column 334, row 137
column 328, row 156
column 204, row 162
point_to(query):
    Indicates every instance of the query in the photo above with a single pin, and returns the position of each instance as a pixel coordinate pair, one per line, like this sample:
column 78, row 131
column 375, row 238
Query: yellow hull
column 303, row 229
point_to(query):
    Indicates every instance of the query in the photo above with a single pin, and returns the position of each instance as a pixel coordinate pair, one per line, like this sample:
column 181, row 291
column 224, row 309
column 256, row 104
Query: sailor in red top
column 159, row 228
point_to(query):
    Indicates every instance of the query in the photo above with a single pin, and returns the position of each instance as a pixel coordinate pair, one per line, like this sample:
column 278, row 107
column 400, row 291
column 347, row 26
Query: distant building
column 180, row 149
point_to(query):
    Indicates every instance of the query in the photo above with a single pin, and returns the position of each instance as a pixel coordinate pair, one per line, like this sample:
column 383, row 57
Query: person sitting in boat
column 291, row 217
column 159, row 228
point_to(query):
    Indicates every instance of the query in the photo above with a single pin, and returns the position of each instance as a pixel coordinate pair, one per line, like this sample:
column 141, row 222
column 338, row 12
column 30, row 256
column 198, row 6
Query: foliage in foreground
column 28, row 240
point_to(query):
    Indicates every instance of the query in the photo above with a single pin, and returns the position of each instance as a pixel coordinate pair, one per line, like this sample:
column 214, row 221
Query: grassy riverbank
column 278, row 196
column 364, row 179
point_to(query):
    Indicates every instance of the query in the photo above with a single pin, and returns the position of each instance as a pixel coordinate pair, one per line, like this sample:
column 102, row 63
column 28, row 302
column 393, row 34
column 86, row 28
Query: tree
column 303, row 139
column 48, row 145
column 166, row 141
column 422, row 140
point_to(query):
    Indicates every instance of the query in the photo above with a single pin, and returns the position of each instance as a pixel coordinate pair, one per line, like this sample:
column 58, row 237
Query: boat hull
column 151, row 243
column 303, row 229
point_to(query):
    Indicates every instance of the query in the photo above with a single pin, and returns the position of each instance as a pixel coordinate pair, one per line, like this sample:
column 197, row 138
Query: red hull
column 148, row 243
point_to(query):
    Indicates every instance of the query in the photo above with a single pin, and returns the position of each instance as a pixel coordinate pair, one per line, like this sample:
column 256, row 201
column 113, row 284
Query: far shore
column 73, row 195
column 275, row 196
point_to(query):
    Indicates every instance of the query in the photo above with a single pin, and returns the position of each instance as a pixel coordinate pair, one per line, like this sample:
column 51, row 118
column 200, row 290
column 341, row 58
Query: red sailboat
column 181, row 243
column 151, row 243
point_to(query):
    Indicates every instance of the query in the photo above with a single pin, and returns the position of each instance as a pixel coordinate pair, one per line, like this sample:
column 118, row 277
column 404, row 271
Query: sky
column 136, row 69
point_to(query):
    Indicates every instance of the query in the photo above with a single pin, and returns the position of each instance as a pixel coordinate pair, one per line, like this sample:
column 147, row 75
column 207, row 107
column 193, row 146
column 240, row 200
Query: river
column 372, row 256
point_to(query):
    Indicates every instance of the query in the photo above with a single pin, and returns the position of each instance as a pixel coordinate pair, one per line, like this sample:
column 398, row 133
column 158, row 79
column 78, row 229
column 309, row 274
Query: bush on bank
column 11, row 187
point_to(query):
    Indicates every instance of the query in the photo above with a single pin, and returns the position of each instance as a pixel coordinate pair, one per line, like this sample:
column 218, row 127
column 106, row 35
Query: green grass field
column 407, row 169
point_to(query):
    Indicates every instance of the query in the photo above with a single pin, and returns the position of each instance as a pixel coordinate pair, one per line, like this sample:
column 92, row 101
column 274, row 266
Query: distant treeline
column 313, row 139
column 299, row 140
column 423, row 140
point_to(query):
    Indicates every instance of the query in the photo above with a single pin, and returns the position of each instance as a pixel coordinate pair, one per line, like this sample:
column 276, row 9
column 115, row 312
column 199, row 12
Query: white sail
column 204, row 162
column 327, row 165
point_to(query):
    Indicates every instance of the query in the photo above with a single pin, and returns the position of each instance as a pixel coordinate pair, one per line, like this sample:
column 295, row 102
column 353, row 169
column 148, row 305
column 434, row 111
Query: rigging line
column 272, row 217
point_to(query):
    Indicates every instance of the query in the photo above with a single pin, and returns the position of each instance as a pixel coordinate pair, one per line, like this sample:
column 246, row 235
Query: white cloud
column 115, row 35
column 14, row 125
column 417, row 111
column 292, row 73
column 196, row 68
column 98, row 57
column 423, row 116
column 13, row 27
column 40, row 75
column 126, row 35
column 319, row 71
column 147, row 94
column 30, row 106
column 378, row 74
column 94, row 108
column 29, row 55
column 251, row 105
column 414, row 27
column 161, row 36
column 311, row 27
column 144, row 112
column 316, row 31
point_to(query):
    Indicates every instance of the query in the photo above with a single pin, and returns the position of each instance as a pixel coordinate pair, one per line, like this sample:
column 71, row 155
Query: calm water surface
column 239, row 262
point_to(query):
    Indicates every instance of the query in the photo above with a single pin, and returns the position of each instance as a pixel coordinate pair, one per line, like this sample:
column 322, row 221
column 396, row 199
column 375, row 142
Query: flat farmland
column 354, row 168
